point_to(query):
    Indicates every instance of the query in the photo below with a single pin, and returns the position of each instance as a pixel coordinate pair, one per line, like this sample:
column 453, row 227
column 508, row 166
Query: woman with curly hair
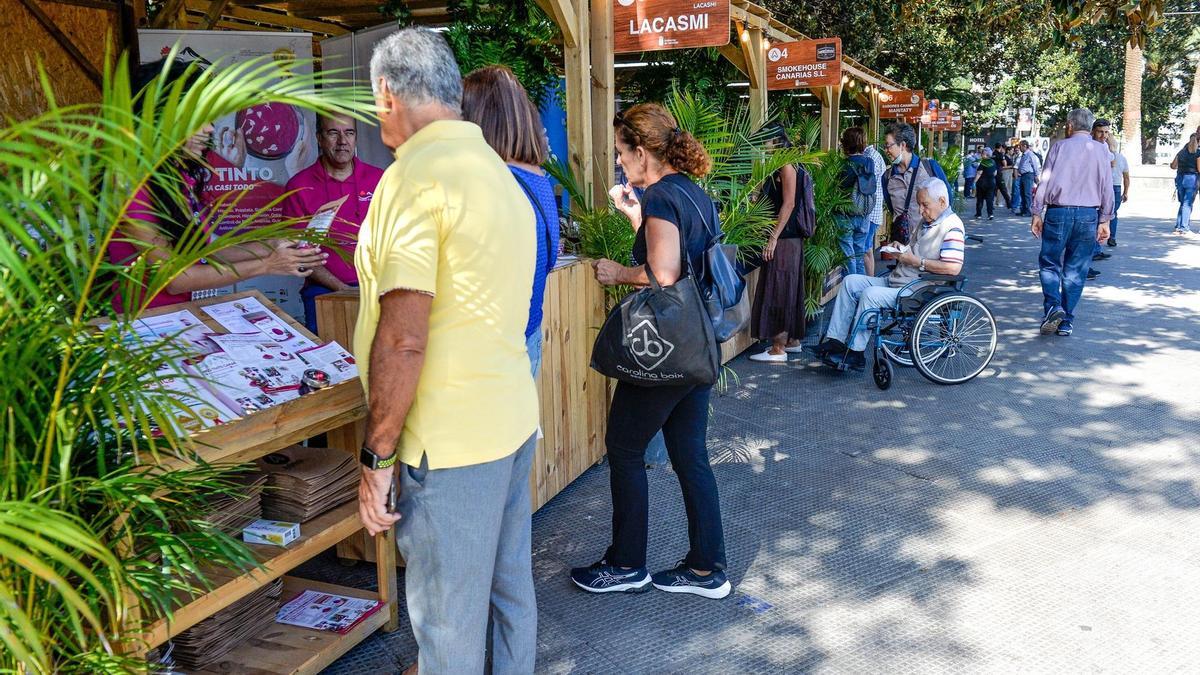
column 672, row 219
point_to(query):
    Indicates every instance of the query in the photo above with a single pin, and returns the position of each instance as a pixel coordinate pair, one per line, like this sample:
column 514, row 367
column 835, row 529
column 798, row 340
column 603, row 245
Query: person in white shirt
column 1120, row 186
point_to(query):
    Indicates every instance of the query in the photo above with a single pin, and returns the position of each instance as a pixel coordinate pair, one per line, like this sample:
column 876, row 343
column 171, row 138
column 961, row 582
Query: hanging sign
column 804, row 64
column 902, row 105
column 653, row 25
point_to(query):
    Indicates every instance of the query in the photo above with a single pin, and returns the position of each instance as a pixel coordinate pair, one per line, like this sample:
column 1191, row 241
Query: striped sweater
column 944, row 239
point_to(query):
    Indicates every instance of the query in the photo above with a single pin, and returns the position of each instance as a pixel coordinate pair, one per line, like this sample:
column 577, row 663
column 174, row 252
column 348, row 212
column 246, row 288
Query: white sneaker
column 768, row 357
column 798, row 349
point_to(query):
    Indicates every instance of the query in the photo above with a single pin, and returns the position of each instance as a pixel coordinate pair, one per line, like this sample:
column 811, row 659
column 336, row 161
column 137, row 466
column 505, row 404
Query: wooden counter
column 574, row 398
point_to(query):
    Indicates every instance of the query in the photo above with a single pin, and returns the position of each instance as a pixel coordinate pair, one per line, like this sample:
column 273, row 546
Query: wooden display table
column 282, row 648
column 574, row 398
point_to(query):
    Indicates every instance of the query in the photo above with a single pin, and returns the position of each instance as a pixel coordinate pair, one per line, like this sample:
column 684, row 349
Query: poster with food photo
column 257, row 150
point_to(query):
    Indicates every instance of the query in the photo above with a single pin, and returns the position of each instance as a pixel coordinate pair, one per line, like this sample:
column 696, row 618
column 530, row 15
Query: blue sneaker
column 604, row 578
column 1065, row 329
column 682, row 579
column 1052, row 319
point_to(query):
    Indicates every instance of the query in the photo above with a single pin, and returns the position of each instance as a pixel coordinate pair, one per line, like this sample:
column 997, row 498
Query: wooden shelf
column 292, row 650
column 316, row 535
column 279, row 426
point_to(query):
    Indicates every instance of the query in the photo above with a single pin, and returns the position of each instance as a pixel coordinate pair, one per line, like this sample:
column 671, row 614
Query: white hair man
column 936, row 247
column 1071, row 211
column 445, row 261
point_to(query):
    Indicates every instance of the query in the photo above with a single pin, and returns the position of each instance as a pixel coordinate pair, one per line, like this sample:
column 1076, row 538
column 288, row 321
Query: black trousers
column 637, row 414
column 985, row 195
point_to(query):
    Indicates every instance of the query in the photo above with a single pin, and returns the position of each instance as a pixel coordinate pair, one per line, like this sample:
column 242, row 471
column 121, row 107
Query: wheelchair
column 947, row 334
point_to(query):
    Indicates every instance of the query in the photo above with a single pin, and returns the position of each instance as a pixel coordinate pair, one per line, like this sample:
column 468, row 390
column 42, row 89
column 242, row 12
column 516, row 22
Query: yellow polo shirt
column 449, row 219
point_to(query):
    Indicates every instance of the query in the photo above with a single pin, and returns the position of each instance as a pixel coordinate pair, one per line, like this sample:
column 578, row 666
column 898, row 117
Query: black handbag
column 658, row 337
column 722, row 288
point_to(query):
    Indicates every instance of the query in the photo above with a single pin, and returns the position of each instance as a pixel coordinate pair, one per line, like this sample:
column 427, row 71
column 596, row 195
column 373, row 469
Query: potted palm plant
column 90, row 525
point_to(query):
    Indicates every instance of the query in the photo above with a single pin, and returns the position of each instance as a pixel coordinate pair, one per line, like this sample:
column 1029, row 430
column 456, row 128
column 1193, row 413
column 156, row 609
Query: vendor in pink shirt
column 337, row 173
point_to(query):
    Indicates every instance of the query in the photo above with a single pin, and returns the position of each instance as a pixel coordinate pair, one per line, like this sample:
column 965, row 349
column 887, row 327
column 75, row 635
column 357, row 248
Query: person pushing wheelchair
column 936, row 247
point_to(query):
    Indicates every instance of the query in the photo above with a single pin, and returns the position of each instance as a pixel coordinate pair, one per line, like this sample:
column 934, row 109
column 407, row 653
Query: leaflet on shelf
column 332, row 359
column 248, row 315
column 325, row 611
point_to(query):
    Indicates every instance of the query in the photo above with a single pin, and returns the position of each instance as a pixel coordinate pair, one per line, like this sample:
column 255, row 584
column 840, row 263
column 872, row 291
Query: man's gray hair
column 936, row 189
column 904, row 134
column 418, row 67
column 1081, row 119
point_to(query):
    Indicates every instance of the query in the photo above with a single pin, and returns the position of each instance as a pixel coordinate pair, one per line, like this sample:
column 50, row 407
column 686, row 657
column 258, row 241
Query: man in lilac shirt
column 1071, row 211
column 337, row 173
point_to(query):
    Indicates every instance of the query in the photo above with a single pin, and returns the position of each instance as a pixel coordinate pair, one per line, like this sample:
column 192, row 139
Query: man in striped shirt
column 876, row 217
column 937, row 247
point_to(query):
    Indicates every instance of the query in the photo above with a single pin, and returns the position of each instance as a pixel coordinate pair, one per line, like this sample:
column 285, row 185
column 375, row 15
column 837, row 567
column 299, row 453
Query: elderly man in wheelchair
column 917, row 314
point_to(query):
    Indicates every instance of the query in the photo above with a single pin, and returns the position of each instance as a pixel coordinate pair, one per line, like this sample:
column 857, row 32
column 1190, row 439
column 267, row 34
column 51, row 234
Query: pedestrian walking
column 1120, row 185
column 1101, row 132
column 445, row 262
column 1187, row 168
column 1029, row 167
column 970, row 171
column 858, row 180
column 1071, row 212
column 876, row 213
column 985, row 185
column 655, row 154
column 1004, row 166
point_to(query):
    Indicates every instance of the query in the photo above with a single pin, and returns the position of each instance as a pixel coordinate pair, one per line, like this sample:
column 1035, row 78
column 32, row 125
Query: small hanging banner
column 805, row 64
column 902, row 105
column 654, row 25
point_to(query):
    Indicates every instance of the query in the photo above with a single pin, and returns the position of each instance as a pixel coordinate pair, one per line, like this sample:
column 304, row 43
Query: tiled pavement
column 1042, row 518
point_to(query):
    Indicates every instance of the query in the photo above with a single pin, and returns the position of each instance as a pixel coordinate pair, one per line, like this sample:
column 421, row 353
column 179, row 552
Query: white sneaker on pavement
column 794, row 350
column 768, row 357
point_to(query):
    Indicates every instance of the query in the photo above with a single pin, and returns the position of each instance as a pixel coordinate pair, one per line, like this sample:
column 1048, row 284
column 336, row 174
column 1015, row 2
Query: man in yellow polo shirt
column 445, row 262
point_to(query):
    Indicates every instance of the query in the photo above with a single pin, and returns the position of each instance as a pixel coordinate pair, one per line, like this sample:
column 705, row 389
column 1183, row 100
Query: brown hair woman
column 496, row 101
column 670, row 219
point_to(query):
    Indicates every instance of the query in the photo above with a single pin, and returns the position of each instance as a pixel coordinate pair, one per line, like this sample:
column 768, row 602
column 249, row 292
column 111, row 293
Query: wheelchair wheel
column 882, row 372
column 953, row 338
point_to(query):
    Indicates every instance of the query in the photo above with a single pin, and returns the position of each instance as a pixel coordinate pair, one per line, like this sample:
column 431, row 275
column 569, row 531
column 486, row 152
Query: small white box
column 271, row 532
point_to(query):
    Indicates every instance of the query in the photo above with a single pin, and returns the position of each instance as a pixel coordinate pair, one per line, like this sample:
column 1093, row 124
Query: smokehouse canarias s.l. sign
column 652, row 25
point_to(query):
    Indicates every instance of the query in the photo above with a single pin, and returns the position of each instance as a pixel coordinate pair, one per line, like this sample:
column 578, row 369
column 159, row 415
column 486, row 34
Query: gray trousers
column 465, row 537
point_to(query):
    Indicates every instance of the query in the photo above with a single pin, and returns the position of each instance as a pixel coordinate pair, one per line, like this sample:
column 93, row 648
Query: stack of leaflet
column 240, row 506
column 205, row 643
column 303, row 483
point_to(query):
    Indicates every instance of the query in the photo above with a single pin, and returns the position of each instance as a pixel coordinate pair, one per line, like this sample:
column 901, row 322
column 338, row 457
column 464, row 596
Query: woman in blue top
column 496, row 101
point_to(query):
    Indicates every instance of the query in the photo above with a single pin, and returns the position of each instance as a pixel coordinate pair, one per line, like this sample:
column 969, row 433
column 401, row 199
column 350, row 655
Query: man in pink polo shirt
column 337, row 173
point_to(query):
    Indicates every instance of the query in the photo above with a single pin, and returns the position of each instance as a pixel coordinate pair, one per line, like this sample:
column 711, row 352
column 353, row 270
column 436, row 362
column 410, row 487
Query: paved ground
column 1042, row 518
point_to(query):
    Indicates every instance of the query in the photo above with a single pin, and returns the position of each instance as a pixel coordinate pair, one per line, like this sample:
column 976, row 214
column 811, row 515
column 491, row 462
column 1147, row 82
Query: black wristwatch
column 373, row 461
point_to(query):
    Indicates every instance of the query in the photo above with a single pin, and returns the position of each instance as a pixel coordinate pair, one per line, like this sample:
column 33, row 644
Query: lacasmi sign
column 902, row 105
column 652, row 25
column 805, row 63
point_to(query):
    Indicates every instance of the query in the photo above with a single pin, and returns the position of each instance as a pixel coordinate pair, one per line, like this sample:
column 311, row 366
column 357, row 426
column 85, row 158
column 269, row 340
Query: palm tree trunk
column 1192, row 121
column 1135, row 68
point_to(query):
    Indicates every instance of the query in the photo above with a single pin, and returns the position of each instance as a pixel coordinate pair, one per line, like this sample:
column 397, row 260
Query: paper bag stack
column 205, row 643
column 303, row 483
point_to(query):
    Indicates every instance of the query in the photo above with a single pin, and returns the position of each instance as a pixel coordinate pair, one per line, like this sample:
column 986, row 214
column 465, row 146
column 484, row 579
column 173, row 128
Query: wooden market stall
column 282, row 648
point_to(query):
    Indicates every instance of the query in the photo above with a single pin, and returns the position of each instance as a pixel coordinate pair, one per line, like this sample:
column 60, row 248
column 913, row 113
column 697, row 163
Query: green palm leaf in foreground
column 90, row 528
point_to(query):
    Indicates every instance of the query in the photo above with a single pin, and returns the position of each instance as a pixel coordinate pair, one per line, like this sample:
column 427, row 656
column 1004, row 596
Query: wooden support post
column 213, row 15
column 576, row 62
column 603, row 95
column 831, row 106
column 869, row 100
column 756, row 62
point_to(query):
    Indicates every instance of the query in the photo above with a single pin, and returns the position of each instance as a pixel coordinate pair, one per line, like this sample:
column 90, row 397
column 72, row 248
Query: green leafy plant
column 96, row 538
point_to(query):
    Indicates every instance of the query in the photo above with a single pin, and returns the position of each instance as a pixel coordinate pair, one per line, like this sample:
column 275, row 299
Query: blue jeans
column 968, row 185
column 1185, row 187
column 533, row 345
column 853, row 241
column 1026, row 192
column 308, row 295
column 1068, row 241
column 465, row 536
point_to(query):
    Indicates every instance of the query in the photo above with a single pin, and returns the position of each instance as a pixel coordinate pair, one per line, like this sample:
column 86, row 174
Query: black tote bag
column 659, row 337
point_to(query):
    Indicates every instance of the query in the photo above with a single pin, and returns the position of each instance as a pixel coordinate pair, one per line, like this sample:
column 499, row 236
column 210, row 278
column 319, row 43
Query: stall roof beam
column 564, row 15
column 268, row 18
